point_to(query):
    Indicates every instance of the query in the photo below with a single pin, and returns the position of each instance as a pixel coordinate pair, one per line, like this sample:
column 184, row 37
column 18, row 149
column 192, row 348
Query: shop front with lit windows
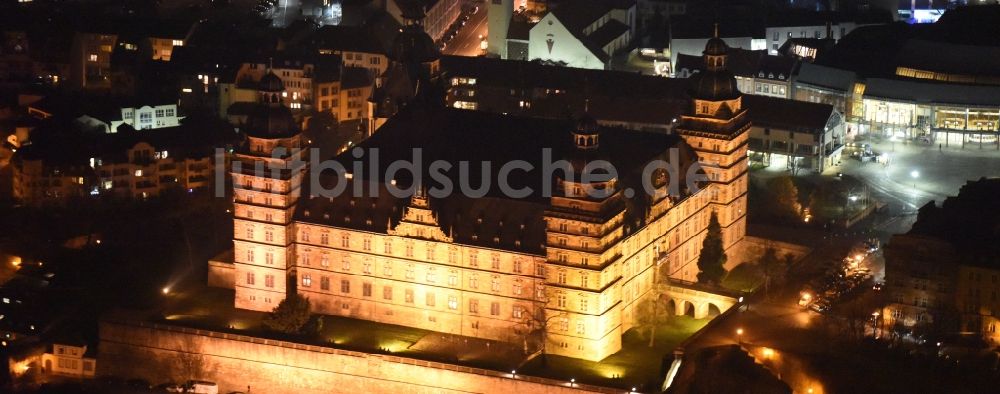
column 948, row 125
column 963, row 126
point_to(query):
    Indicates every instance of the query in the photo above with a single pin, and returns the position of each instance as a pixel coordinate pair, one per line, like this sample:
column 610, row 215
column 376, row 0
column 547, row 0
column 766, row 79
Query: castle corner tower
column 267, row 175
column 716, row 127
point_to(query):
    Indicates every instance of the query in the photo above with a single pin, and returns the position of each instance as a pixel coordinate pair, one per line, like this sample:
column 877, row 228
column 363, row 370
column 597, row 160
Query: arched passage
column 688, row 309
column 671, row 307
column 713, row 310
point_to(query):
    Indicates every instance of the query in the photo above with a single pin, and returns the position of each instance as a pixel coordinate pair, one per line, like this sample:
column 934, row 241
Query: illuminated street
column 467, row 42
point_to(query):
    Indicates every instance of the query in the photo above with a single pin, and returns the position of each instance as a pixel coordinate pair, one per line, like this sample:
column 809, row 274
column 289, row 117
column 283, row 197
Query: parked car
column 202, row 387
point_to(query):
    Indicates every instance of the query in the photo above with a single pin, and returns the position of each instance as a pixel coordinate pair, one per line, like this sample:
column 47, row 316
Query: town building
column 69, row 360
column 944, row 271
column 64, row 162
column 356, row 46
column 109, row 114
column 343, row 91
column 90, row 59
column 436, row 16
column 563, row 271
column 784, row 133
column 795, row 135
column 583, row 34
column 414, row 64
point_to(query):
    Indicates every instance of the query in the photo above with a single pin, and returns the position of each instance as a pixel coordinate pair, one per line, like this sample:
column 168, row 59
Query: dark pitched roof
column 787, row 114
column 950, row 58
column 347, row 38
column 579, row 14
column 60, row 141
column 779, row 68
column 519, row 29
column 932, row 92
column 826, row 77
column 455, row 136
column 354, row 77
column 605, row 34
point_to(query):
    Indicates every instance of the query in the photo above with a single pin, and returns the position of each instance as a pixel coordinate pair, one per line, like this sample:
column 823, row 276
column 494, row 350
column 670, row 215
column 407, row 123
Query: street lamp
column 914, row 174
column 166, row 290
column 874, row 324
column 739, row 336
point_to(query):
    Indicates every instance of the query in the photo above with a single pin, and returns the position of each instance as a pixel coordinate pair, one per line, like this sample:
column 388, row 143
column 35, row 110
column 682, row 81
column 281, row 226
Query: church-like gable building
column 564, row 270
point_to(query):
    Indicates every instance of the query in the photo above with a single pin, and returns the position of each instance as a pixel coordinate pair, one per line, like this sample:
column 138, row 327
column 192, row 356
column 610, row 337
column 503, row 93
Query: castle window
column 324, row 283
column 345, row 240
column 346, row 264
column 495, row 258
column 305, row 236
column 495, row 308
column 409, row 271
column 268, row 235
column 366, row 289
column 473, row 306
column 452, row 279
column 431, row 276
column 561, row 300
column 409, row 249
column 387, row 269
column 368, row 267
column 584, row 280
column 250, row 256
column 518, row 312
column 324, row 239
column 581, row 327
column 517, row 266
column 269, row 280
column 249, row 232
column 583, row 304
column 517, row 287
column 306, row 280
column 473, row 259
column 367, row 243
column 408, row 296
column 430, row 299
column 324, row 261
column 495, row 283
column 269, row 258
column 387, row 293
column 387, row 248
column 250, row 278
column 452, row 302
column 345, row 286
column 474, row 281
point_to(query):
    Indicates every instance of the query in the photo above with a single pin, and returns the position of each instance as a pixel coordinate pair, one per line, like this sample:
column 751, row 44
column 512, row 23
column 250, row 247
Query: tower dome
column 412, row 44
column 271, row 118
column 271, row 83
column 715, row 82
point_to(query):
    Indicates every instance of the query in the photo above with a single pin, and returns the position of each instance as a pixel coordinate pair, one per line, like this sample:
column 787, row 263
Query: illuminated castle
column 569, row 268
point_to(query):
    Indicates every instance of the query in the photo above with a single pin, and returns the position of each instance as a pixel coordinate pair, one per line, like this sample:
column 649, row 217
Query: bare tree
column 650, row 313
column 536, row 331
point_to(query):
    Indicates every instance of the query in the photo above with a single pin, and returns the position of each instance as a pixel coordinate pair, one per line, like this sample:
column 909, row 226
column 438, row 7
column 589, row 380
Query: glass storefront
column 954, row 118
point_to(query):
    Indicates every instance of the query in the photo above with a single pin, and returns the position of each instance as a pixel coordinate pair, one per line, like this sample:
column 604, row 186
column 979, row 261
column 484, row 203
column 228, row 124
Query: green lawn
column 745, row 277
column 637, row 364
column 212, row 309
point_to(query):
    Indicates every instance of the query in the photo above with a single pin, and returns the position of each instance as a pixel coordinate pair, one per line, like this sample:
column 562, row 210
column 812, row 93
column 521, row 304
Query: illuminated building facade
column 131, row 165
column 264, row 199
column 565, row 270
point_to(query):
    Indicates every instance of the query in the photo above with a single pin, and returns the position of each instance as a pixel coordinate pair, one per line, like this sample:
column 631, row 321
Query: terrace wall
column 161, row 353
